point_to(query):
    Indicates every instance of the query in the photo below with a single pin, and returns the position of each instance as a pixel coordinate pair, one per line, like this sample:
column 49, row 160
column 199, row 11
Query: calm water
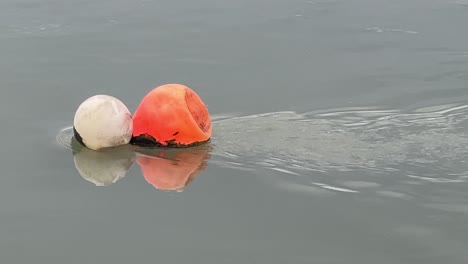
column 340, row 132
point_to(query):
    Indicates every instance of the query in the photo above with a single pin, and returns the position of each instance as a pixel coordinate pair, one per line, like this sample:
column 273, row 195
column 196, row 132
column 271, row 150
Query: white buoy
column 102, row 121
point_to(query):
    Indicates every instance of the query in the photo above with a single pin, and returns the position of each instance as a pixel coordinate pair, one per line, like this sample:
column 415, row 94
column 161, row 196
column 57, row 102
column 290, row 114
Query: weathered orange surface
column 174, row 115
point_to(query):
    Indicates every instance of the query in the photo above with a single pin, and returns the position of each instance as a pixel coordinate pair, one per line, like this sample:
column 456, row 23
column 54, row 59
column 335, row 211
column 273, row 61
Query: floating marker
column 171, row 115
column 102, row 121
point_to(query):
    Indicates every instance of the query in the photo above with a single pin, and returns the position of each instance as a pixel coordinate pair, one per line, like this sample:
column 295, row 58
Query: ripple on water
column 426, row 145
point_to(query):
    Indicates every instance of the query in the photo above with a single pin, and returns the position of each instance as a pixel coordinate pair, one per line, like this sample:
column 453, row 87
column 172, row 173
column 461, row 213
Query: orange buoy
column 173, row 169
column 171, row 115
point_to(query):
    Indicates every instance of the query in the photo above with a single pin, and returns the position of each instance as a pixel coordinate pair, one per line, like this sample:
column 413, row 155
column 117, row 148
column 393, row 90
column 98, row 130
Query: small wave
column 65, row 136
column 397, row 30
column 35, row 29
column 334, row 188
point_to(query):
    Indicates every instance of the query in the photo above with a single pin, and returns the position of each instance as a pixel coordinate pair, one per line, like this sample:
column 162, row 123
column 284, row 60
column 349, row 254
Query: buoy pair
column 171, row 115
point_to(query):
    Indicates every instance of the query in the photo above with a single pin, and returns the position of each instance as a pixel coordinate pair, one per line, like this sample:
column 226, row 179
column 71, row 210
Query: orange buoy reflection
column 173, row 169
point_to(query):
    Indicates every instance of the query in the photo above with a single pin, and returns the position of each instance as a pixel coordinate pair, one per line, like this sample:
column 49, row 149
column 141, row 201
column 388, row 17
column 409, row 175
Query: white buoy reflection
column 103, row 167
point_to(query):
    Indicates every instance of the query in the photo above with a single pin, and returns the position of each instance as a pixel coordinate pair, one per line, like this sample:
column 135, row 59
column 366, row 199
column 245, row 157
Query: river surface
column 340, row 132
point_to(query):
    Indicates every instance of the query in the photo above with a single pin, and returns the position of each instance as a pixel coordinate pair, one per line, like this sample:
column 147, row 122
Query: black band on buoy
column 145, row 140
column 78, row 136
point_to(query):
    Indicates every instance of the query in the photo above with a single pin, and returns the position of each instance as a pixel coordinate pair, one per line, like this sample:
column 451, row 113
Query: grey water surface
column 340, row 132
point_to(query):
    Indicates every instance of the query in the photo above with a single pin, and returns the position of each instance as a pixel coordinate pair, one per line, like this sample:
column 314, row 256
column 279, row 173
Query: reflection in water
column 165, row 169
column 173, row 169
column 103, row 167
